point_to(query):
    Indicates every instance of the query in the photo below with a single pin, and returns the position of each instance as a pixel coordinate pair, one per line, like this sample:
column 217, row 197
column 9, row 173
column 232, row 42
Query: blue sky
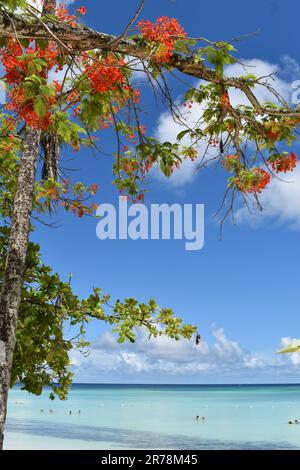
column 242, row 292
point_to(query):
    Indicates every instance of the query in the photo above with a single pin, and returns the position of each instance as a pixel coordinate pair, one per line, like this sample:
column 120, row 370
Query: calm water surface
column 147, row 416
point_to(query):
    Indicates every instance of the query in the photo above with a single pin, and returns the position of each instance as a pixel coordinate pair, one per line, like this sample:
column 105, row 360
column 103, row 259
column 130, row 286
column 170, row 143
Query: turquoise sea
column 157, row 417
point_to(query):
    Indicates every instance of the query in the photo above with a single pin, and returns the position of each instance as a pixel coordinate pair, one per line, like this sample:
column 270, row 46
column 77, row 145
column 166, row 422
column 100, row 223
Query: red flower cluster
column 284, row 163
column 136, row 96
column 14, row 68
column 191, row 153
column 25, row 109
column 164, row 32
column 139, row 198
column 273, row 130
column 188, row 104
column 105, row 76
column 273, row 135
column 82, row 10
column 17, row 67
column 63, row 15
column 17, row 63
column 255, row 185
column 129, row 166
column 148, row 165
column 225, row 101
column 93, row 189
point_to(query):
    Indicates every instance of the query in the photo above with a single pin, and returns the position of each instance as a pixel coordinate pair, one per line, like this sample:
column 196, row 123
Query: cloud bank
column 162, row 360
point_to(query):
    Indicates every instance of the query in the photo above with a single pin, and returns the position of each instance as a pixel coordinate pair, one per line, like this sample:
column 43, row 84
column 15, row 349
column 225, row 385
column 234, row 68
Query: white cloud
column 167, row 129
column 36, row 3
column 286, row 342
column 290, row 69
column 260, row 68
column 39, row 3
column 226, row 349
column 163, row 359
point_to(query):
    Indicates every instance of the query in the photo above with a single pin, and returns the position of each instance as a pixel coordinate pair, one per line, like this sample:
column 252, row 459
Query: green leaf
column 47, row 90
column 182, row 134
column 40, row 106
column 290, row 349
column 13, row 4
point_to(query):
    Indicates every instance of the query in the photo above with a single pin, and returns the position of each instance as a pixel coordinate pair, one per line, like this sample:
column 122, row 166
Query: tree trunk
column 15, row 263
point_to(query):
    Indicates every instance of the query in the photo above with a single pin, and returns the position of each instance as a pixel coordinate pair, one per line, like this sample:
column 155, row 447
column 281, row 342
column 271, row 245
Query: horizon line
column 185, row 384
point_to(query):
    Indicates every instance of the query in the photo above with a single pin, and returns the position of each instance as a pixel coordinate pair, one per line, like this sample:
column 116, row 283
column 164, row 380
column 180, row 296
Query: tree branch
column 82, row 38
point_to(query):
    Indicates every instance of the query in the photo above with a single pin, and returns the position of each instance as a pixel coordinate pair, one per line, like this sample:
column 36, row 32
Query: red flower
column 136, row 96
column 82, row 10
column 225, row 101
column 106, row 77
column 284, row 163
column 273, row 135
column 164, row 32
column 58, row 85
column 259, row 182
column 93, row 188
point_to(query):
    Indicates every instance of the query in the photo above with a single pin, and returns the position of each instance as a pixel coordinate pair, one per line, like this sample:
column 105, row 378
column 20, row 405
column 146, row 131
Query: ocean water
column 157, row 417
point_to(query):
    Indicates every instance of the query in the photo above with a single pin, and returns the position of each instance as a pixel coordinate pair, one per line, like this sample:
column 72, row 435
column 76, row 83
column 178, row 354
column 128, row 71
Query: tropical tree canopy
column 94, row 90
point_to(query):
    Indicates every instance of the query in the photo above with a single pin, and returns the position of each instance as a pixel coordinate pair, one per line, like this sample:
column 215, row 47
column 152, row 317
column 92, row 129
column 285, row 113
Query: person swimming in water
column 200, row 418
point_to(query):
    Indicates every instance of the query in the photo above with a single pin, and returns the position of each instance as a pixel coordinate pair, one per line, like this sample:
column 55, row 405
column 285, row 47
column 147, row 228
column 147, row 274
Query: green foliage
column 219, row 55
column 129, row 314
column 68, row 131
column 197, row 95
column 183, row 46
column 40, row 105
column 13, row 4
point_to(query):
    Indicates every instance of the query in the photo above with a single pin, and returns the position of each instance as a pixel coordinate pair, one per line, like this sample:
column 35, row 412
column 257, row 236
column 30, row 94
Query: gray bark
column 12, row 282
column 10, row 296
